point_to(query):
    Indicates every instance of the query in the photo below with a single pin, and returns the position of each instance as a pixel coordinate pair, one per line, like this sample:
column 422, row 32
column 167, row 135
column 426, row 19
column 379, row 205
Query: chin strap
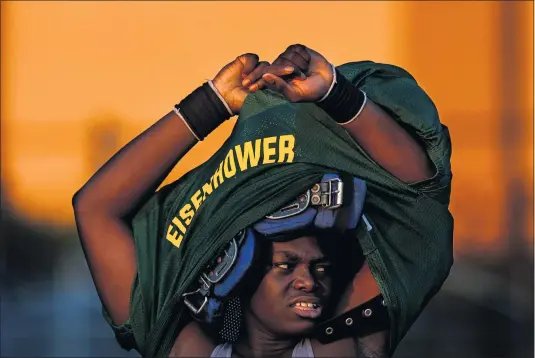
column 370, row 317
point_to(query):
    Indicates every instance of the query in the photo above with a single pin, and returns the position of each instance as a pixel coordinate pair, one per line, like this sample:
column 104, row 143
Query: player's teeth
column 306, row 304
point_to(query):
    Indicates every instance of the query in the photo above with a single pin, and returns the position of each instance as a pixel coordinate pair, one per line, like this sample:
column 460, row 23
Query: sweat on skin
column 276, row 149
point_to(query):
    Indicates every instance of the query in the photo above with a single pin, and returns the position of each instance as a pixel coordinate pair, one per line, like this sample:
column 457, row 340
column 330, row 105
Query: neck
column 257, row 341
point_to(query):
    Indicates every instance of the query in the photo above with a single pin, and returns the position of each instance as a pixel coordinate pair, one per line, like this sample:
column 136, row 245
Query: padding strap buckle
column 215, row 271
column 328, row 194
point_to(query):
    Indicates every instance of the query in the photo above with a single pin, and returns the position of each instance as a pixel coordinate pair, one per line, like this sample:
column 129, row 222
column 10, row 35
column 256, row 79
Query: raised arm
column 105, row 204
column 102, row 205
column 383, row 139
column 310, row 79
column 389, row 144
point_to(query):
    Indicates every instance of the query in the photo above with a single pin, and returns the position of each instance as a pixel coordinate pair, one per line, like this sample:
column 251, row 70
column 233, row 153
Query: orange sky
column 69, row 65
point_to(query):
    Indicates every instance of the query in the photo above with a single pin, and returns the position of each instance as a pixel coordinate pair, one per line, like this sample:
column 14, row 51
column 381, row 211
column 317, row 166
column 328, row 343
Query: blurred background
column 80, row 79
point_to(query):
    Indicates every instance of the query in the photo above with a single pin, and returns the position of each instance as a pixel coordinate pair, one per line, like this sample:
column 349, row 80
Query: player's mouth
column 307, row 307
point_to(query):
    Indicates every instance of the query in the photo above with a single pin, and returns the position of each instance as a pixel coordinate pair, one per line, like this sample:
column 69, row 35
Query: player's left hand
column 307, row 75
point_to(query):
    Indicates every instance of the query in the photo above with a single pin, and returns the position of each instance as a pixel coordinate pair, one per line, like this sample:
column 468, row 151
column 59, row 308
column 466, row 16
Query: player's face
column 295, row 290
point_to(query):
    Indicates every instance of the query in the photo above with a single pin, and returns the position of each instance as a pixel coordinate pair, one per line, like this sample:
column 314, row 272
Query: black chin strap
column 370, row 317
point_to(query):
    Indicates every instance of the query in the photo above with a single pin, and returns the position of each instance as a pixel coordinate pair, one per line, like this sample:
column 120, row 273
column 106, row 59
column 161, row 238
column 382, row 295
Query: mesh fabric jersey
column 277, row 150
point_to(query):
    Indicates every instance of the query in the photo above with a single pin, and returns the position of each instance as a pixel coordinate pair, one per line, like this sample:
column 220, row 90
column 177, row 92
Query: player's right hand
column 229, row 79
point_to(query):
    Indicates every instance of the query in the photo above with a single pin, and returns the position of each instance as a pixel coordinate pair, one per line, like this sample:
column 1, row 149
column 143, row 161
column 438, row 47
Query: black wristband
column 203, row 111
column 344, row 102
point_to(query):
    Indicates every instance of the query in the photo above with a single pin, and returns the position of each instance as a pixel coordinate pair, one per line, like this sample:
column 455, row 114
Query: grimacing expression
column 295, row 290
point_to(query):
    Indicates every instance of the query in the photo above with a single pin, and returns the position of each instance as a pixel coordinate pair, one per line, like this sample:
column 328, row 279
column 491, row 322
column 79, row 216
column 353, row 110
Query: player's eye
column 322, row 268
column 283, row 265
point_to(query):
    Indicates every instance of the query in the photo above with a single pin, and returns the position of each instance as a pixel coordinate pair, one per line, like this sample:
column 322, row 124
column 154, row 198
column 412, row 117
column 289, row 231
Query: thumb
column 248, row 62
column 276, row 83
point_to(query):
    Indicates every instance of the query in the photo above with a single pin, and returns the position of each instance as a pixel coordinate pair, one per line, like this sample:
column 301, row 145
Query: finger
column 296, row 59
column 276, row 70
column 249, row 61
column 301, row 50
column 286, row 72
column 279, row 71
column 281, row 61
column 256, row 74
column 258, row 85
column 276, row 83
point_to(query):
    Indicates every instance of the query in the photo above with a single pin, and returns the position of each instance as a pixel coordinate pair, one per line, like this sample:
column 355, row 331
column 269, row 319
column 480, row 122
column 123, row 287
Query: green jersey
column 277, row 150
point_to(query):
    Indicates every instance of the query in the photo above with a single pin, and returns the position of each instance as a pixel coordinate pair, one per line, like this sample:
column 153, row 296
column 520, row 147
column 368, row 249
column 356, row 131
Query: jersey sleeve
column 124, row 333
column 145, row 225
column 398, row 93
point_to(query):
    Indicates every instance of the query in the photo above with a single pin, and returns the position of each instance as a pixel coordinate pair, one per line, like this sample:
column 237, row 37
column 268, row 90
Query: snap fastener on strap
column 367, row 312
